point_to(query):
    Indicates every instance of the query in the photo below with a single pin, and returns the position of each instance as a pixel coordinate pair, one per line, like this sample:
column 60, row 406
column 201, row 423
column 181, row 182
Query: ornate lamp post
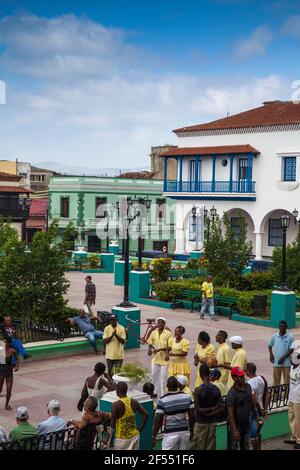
column 195, row 219
column 24, row 203
column 295, row 215
column 127, row 215
column 285, row 222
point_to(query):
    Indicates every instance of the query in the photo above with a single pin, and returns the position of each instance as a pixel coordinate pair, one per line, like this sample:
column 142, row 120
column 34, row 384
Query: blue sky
column 98, row 83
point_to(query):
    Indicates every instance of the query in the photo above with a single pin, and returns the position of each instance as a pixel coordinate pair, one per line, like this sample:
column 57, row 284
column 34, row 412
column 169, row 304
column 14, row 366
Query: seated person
column 87, row 328
column 9, row 329
column 54, row 422
column 23, row 430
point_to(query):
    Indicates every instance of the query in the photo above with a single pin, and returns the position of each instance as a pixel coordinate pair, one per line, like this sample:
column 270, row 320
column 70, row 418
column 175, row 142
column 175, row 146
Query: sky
column 96, row 84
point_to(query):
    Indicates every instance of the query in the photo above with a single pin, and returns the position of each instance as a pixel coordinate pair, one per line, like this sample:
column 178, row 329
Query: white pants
column 175, row 440
column 127, row 444
column 159, row 378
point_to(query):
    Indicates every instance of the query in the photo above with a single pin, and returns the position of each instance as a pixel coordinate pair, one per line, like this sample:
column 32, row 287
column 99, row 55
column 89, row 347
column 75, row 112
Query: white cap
column 236, row 340
column 182, row 379
column 163, row 319
column 53, row 405
column 22, row 412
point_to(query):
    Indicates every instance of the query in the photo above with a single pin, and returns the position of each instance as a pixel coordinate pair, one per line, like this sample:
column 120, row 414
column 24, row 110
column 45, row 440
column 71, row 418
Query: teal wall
column 83, row 191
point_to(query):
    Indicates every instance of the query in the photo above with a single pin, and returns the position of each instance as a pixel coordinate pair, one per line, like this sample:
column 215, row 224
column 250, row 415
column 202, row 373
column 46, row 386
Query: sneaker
column 289, row 441
column 214, row 318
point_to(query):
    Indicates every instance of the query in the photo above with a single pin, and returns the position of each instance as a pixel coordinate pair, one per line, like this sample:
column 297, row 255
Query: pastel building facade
column 246, row 165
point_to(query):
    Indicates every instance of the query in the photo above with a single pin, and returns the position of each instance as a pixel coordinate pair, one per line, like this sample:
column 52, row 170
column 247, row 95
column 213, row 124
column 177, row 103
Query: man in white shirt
column 261, row 397
column 54, row 422
column 294, row 400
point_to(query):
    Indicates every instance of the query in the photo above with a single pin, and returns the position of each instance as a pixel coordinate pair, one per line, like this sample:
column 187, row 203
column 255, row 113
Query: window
column 100, row 203
column 192, row 170
column 243, row 169
column 40, row 178
column 195, row 229
column 64, row 207
column 275, row 232
column 235, row 225
column 289, row 168
column 160, row 208
column 159, row 245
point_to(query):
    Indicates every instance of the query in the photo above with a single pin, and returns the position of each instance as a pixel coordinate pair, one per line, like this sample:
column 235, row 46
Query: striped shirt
column 175, row 406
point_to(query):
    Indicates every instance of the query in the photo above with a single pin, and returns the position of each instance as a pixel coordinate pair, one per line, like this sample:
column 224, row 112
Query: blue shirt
column 52, row 424
column 83, row 323
column 280, row 346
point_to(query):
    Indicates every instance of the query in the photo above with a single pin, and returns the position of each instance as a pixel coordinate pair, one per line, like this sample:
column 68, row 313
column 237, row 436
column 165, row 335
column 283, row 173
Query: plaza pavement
column 38, row 382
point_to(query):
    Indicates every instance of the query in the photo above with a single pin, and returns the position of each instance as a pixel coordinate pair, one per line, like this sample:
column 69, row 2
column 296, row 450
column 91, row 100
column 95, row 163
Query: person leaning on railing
column 9, row 329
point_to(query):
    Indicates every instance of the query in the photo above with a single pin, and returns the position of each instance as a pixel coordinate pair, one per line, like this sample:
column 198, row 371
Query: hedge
column 169, row 290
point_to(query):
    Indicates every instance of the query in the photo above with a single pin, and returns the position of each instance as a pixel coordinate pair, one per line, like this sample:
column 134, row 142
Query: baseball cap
column 22, row 412
column 237, row 371
column 236, row 340
column 181, row 379
column 53, row 405
column 216, row 373
column 163, row 319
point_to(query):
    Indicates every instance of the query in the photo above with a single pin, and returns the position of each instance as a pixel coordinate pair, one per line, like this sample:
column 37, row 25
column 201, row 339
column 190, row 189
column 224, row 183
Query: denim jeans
column 207, row 303
column 92, row 336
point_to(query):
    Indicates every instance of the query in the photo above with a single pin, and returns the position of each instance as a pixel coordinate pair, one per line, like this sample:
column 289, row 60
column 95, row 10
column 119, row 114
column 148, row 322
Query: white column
column 179, row 240
column 258, row 245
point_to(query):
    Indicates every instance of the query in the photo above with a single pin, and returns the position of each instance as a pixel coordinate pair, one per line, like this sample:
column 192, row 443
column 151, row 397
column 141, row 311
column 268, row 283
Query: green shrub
column 94, row 261
column 160, row 268
column 256, row 281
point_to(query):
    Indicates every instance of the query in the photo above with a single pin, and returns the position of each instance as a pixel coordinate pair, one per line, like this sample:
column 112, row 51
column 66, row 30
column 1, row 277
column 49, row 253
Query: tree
column 227, row 253
column 292, row 263
column 7, row 233
column 33, row 283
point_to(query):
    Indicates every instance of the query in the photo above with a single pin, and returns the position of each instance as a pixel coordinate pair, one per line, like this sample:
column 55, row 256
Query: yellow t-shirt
column 208, row 289
column 204, row 353
column 224, row 355
column 114, row 349
column 188, row 391
column 159, row 341
column 221, row 386
column 126, row 426
column 182, row 346
column 239, row 359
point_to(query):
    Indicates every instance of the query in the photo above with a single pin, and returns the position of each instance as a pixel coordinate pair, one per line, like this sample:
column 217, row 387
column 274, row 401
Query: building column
column 165, row 172
column 258, row 245
column 249, row 177
column 196, row 173
column 180, row 173
column 231, row 173
column 213, row 178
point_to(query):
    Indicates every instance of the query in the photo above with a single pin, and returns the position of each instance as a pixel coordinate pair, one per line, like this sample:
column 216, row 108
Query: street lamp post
column 24, row 203
column 285, row 222
column 125, row 211
column 145, row 201
column 295, row 215
column 194, row 215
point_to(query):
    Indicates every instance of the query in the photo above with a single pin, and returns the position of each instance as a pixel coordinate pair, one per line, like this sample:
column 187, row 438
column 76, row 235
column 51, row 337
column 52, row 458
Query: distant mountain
column 82, row 170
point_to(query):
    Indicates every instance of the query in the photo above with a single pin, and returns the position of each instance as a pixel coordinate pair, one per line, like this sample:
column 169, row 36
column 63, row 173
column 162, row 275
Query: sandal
column 8, row 407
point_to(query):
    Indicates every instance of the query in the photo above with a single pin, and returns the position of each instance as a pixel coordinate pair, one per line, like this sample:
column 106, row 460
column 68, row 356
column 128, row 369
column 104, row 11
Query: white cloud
column 255, row 44
column 291, row 27
column 106, row 115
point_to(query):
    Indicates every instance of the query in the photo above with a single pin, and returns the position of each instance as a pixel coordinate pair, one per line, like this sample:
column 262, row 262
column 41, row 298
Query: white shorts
column 127, row 444
column 175, row 440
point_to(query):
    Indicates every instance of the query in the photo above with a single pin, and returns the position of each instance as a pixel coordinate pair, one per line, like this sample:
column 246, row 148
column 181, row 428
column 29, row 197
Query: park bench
column 227, row 302
column 185, row 274
column 189, row 294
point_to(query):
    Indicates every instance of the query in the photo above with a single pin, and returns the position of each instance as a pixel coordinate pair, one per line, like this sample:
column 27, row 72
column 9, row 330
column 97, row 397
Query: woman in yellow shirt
column 177, row 352
column 205, row 354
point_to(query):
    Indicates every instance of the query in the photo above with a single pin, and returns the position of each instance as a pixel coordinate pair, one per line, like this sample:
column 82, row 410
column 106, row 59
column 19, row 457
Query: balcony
column 237, row 187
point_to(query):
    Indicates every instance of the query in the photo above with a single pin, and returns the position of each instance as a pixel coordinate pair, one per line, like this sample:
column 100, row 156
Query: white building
column 247, row 164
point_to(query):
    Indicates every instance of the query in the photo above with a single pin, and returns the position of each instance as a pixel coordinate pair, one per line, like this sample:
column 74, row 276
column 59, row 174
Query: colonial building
column 83, row 200
column 246, row 164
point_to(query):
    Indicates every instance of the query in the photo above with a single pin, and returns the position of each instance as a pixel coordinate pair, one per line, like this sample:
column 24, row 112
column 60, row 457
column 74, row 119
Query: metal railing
column 90, row 438
column 239, row 186
column 279, row 396
column 30, row 332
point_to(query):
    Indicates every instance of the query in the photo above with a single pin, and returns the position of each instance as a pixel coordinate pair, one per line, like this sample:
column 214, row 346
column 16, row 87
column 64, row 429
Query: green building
column 84, row 200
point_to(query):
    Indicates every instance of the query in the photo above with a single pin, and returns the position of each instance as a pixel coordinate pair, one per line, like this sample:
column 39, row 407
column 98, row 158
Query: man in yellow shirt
column 114, row 338
column 223, row 356
column 239, row 359
column 158, row 346
column 208, row 298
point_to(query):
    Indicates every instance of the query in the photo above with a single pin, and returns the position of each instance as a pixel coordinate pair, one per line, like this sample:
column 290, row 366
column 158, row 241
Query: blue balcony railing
column 240, row 186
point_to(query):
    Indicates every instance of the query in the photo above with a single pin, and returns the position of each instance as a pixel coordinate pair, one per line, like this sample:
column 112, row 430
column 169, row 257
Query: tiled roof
column 38, row 207
column 9, row 177
column 13, row 189
column 137, row 175
column 271, row 113
column 219, row 150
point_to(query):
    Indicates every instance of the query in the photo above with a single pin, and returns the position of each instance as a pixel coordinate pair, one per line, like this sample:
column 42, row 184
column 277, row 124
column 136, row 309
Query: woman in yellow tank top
column 177, row 352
